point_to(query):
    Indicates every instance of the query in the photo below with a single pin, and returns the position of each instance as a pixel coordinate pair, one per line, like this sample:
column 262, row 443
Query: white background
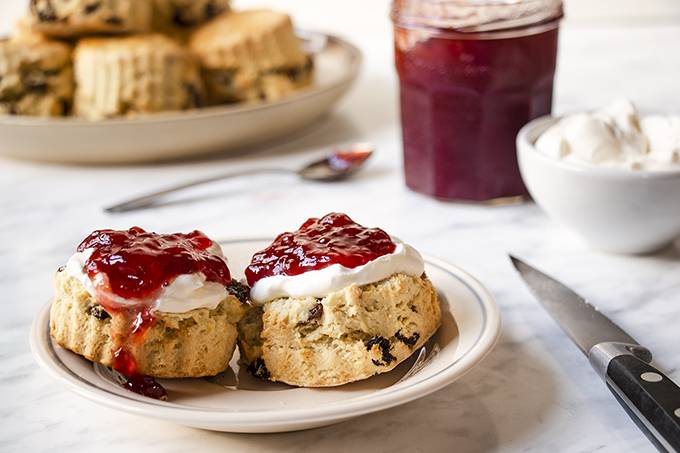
column 534, row 393
column 340, row 14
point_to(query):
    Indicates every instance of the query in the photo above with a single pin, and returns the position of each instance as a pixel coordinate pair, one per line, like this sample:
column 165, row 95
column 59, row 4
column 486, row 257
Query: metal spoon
column 339, row 164
column 424, row 357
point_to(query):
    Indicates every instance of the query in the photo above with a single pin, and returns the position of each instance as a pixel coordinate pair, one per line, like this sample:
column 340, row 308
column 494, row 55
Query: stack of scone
column 330, row 303
column 109, row 58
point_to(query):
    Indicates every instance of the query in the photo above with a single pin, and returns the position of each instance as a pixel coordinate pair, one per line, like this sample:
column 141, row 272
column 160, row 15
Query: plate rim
column 350, row 75
column 45, row 356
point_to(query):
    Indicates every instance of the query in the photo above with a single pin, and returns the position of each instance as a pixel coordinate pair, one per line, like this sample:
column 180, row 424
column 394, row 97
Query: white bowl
column 614, row 210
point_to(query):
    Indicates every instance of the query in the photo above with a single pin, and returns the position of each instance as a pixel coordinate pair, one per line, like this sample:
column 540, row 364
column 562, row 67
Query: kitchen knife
column 649, row 397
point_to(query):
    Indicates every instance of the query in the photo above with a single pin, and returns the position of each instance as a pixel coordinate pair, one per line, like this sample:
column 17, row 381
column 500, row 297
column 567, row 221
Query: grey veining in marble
column 534, row 393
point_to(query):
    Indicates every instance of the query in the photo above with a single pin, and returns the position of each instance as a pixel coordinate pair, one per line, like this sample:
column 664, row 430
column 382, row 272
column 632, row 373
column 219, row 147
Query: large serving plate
column 237, row 402
column 172, row 135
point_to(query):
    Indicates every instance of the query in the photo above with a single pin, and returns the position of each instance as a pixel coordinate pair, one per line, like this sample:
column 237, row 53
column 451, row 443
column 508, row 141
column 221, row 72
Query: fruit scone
column 251, row 55
column 132, row 75
column 335, row 302
column 148, row 305
column 178, row 17
column 36, row 76
column 66, row 18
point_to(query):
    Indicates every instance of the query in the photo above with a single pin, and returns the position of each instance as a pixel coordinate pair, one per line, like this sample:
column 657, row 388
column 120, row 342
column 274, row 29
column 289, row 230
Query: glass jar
column 472, row 73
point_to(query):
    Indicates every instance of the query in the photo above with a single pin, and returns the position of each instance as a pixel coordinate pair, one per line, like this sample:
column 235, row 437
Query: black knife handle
column 651, row 399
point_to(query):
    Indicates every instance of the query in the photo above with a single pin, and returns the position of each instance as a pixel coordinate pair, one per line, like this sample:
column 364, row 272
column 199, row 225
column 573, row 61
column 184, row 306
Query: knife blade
column 649, row 397
column 582, row 322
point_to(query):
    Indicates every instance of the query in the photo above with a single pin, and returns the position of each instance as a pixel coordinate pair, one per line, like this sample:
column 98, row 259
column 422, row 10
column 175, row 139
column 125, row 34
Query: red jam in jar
column 472, row 73
column 319, row 243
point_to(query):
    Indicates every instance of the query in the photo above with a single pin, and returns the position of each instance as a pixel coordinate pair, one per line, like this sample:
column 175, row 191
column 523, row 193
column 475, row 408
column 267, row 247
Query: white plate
column 173, row 135
column 253, row 406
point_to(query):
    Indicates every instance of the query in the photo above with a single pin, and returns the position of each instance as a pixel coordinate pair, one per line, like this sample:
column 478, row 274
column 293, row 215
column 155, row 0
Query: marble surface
column 534, row 393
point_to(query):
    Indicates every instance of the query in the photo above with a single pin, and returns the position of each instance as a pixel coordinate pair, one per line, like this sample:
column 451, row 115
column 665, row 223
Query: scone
column 148, row 305
column 67, row 18
column 250, row 55
column 178, row 17
column 134, row 75
column 335, row 302
column 36, row 77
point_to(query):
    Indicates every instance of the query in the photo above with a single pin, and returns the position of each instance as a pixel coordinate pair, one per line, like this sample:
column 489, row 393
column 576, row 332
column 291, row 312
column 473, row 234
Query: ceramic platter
column 173, row 135
column 236, row 402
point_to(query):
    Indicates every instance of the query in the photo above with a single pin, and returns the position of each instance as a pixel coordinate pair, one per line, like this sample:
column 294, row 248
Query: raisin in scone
column 134, row 75
column 67, row 18
column 334, row 302
column 36, row 77
column 147, row 304
column 251, row 55
column 178, row 17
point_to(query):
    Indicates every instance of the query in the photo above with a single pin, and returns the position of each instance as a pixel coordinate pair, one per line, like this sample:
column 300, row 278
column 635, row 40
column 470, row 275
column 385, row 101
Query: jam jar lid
column 475, row 16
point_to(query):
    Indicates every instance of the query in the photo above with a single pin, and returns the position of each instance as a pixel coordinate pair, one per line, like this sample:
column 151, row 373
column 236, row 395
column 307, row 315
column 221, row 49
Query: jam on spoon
column 135, row 265
column 356, row 153
column 350, row 158
column 319, row 243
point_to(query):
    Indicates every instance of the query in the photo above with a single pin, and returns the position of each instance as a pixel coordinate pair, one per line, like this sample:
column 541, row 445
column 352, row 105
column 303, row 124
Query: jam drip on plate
column 135, row 265
column 147, row 386
column 319, row 243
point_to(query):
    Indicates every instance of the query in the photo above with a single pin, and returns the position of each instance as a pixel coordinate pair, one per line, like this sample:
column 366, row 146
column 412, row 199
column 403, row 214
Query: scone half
column 179, row 17
column 69, row 18
column 148, row 305
column 346, row 336
column 251, row 55
column 36, row 77
column 134, row 75
column 196, row 343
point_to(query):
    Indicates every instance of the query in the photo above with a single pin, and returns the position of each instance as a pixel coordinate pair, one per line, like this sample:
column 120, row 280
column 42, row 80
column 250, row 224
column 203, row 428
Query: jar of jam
column 472, row 73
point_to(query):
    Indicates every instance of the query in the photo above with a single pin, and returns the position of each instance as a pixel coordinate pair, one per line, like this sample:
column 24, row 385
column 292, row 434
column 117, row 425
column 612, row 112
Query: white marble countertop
column 534, row 393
